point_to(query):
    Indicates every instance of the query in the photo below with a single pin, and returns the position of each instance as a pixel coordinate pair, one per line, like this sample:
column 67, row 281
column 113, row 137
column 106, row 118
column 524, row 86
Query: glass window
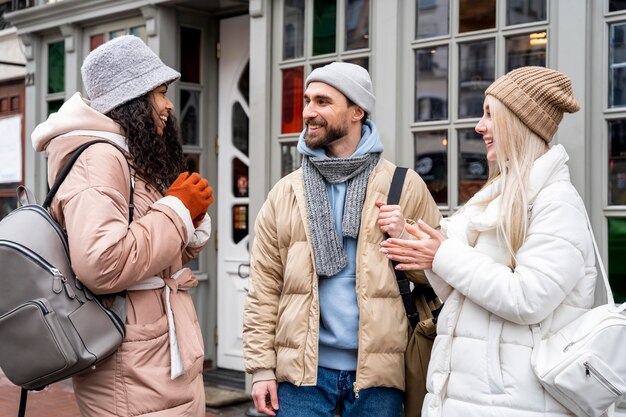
column 292, row 94
column 616, row 5
column 240, row 125
column 117, row 33
column 54, row 106
column 190, row 116
column 56, row 67
column 476, row 73
column 357, row 24
column 617, row 258
column 361, row 61
column 290, row 158
column 617, row 65
column 526, row 49
column 324, row 26
column 525, row 11
column 95, row 41
column 431, row 84
column 7, row 203
column 617, row 162
column 244, row 83
column 432, row 18
column 476, row 15
column 192, row 162
column 240, row 222
column 293, row 29
column 473, row 167
column 139, row 31
column 190, row 54
column 431, row 162
column 240, row 178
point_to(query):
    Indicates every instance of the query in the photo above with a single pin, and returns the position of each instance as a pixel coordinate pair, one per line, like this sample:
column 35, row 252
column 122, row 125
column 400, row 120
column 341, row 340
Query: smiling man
column 324, row 325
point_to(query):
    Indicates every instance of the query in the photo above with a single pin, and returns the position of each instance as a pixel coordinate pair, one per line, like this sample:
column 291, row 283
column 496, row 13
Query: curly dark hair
column 157, row 159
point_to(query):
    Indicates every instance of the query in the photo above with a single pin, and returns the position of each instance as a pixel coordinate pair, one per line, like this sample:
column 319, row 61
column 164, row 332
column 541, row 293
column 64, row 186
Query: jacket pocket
column 494, row 365
column 38, row 348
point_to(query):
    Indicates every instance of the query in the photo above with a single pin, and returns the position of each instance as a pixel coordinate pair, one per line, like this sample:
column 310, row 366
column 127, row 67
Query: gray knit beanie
column 123, row 69
column 353, row 81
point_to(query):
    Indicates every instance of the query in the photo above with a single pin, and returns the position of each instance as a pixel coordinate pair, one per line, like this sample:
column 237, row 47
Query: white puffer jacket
column 480, row 364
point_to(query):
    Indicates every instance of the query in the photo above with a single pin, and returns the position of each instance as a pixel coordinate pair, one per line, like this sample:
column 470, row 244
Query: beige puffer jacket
column 109, row 255
column 281, row 316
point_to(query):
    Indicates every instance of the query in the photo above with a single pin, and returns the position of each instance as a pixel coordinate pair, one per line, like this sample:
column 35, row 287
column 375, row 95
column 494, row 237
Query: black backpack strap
column 23, row 397
column 68, row 167
column 404, row 285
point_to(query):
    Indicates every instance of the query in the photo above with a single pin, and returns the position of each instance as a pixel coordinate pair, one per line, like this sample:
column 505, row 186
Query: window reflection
column 526, row 49
column 190, row 41
column 240, row 178
column 293, row 92
column 431, row 162
column 616, row 5
column 240, row 125
column 56, row 67
column 189, row 116
column 357, row 24
column 293, row 29
column 240, row 222
column 617, row 162
column 617, row 258
column 432, row 18
column 476, row 15
column 476, row 73
column 617, row 66
column 525, row 11
column 290, row 158
column 431, row 84
column 361, row 61
column 473, row 166
column 324, row 26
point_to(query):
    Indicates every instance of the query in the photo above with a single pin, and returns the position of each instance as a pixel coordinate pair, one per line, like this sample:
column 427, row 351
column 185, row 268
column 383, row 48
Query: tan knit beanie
column 538, row 96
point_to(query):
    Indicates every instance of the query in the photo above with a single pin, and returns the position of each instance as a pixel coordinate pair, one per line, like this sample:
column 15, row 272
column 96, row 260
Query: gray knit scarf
column 330, row 258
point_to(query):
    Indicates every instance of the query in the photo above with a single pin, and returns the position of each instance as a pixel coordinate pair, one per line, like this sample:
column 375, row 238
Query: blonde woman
column 519, row 253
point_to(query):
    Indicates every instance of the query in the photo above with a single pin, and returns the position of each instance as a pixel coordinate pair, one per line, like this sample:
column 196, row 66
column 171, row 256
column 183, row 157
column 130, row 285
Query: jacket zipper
column 57, row 276
column 590, row 370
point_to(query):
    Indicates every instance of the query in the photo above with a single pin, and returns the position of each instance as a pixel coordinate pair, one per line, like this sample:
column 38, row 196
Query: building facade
column 239, row 100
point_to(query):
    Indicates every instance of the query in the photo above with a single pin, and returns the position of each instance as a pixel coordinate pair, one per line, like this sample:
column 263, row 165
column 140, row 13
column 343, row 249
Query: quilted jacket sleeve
column 550, row 263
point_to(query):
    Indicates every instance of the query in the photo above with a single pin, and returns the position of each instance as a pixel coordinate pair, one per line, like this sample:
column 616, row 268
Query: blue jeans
column 334, row 392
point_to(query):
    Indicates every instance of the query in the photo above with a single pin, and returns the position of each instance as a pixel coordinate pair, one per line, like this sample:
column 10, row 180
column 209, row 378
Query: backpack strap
column 68, row 167
column 404, row 285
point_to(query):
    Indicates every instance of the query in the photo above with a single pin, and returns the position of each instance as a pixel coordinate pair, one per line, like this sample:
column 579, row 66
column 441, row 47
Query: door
column 233, row 197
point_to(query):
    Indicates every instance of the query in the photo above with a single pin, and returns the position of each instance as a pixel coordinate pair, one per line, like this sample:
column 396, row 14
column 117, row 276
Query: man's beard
column 332, row 134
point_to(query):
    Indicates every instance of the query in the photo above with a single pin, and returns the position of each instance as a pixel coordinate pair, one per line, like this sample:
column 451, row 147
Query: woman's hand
column 390, row 219
column 414, row 254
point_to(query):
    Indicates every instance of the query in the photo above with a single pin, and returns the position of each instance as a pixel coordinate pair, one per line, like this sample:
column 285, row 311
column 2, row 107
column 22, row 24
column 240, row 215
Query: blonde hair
column 517, row 148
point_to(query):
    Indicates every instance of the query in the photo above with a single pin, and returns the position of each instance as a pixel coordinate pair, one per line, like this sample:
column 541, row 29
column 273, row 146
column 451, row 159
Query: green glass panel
column 56, row 67
column 617, row 258
column 54, row 106
column 324, row 26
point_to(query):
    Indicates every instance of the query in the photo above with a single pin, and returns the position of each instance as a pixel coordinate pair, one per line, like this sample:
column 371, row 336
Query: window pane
column 615, row 5
column 56, row 67
column 431, row 162
column 114, row 34
column 617, row 162
column 290, row 158
column 476, row 15
column 432, row 18
column 190, row 55
column 476, row 73
column 95, row 41
column 361, row 61
column 527, row 49
column 324, row 26
column 240, row 178
column 293, row 29
column 240, row 222
column 617, row 66
column 473, row 167
column 431, row 84
column 525, row 11
column 7, row 205
column 617, row 258
column 139, row 31
column 192, row 162
column 293, row 81
column 54, row 106
column 240, row 128
column 357, row 24
column 189, row 116
column 244, row 83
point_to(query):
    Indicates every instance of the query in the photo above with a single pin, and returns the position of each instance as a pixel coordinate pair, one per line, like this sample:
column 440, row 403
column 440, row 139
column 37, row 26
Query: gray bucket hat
column 123, row 69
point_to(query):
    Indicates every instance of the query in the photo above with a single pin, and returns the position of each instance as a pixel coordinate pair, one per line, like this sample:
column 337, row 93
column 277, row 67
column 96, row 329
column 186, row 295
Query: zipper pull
column 569, row 345
column 56, row 280
column 587, row 371
column 68, row 290
column 356, row 389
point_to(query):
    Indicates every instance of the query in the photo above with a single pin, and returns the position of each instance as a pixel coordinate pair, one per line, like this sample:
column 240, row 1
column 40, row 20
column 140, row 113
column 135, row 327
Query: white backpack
column 583, row 366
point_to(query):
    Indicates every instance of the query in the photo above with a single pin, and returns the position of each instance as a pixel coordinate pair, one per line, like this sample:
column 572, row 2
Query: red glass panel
column 293, row 83
column 95, row 41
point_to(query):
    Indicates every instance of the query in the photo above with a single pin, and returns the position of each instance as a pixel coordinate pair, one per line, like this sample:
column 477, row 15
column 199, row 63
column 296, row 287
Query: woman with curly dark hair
column 133, row 219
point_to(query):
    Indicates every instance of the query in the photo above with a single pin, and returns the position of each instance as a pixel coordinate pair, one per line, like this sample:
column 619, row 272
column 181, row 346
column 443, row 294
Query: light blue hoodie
column 339, row 309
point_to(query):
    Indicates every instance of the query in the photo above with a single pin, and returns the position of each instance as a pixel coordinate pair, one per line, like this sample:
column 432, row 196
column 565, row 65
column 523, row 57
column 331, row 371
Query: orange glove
column 194, row 192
